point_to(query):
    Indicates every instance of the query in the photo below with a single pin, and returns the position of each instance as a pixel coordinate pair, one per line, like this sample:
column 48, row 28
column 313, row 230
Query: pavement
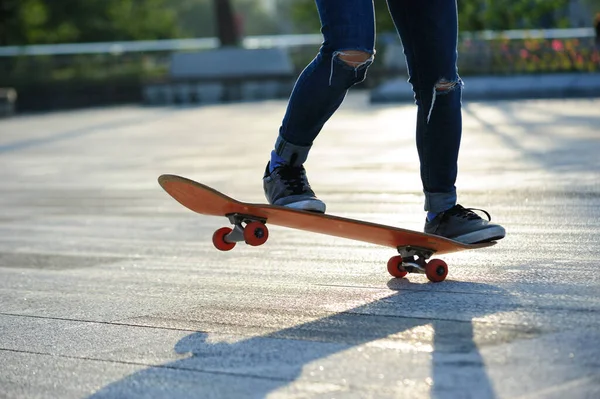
column 110, row 289
column 512, row 87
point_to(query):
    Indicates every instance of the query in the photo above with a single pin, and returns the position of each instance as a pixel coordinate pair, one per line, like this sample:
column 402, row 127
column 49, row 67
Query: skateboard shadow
column 257, row 366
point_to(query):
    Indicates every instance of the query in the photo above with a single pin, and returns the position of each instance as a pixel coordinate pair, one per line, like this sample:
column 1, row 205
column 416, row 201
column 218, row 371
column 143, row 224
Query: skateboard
column 249, row 225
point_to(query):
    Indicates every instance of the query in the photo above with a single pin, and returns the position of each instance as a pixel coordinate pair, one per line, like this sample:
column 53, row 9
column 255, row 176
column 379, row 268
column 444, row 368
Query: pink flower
column 524, row 53
column 557, row 45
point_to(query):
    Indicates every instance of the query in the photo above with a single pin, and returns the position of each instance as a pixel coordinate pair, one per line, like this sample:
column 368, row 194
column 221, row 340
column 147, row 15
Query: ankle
column 431, row 215
column 276, row 161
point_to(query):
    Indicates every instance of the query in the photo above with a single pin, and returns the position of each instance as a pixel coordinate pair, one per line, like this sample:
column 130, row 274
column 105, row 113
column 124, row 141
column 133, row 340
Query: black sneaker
column 288, row 186
column 464, row 225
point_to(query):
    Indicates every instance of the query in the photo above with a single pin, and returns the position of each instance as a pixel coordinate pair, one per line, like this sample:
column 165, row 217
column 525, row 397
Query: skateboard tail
column 203, row 200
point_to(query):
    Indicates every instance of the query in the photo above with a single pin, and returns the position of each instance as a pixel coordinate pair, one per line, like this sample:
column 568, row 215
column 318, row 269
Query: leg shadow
column 257, row 366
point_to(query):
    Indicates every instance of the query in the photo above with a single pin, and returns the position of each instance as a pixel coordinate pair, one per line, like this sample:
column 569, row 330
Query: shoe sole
column 307, row 205
column 484, row 235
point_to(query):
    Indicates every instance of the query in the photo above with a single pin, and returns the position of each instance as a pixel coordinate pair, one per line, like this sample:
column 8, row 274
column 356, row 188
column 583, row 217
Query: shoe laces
column 467, row 213
column 294, row 178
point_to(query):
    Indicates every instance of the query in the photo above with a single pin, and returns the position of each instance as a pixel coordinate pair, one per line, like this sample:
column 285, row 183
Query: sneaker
column 464, row 225
column 288, row 186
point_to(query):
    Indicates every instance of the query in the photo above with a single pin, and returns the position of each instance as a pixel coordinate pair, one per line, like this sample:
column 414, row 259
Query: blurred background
column 63, row 54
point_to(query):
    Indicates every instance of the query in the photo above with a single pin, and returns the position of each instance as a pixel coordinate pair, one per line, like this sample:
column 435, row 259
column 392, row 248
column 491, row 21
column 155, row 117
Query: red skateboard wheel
column 395, row 268
column 256, row 233
column 219, row 239
column 436, row 270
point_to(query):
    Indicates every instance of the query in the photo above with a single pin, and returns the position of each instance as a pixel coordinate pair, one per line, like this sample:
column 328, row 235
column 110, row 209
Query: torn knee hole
column 354, row 58
column 444, row 86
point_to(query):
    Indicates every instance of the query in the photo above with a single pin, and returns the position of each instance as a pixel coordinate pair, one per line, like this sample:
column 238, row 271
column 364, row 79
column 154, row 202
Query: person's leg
column 429, row 33
column 429, row 30
column 348, row 28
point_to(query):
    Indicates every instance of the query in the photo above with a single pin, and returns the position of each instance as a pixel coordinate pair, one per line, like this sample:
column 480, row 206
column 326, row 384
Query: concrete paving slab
column 35, row 375
column 109, row 289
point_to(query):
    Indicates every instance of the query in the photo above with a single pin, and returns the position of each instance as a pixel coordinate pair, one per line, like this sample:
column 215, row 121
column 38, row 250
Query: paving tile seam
column 280, row 334
column 272, row 334
column 113, row 323
column 116, row 323
column 471, row 321
column 412, row 290
column 151, row 366
column 562, row 309
column 564, row 387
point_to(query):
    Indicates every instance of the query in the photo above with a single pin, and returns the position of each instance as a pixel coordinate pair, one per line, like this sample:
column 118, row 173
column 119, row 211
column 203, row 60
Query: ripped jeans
column 428, row 30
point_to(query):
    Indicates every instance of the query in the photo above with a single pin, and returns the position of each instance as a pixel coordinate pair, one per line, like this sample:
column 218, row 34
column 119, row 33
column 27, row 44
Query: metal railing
column 117, row 48
column 287, row 41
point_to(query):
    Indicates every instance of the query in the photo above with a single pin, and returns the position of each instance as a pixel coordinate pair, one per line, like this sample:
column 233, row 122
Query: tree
column 228, row 27
column 59, row 21
column 8, row 11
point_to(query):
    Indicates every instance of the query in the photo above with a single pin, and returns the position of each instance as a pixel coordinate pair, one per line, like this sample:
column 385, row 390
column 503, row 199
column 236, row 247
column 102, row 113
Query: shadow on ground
column 257, row 366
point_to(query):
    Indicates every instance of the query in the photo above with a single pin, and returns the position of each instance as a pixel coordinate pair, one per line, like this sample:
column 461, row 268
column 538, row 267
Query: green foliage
column 80, row 21
column 474, row 15
column 592, row 5
column 59, row 21
column 196, row 18
column 255, row 20
column 305, row 16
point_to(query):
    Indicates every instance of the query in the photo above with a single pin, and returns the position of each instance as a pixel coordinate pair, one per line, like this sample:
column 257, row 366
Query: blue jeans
column 428, row 30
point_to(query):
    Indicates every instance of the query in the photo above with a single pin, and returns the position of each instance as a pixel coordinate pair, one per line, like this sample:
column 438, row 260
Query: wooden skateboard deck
column 249, row 225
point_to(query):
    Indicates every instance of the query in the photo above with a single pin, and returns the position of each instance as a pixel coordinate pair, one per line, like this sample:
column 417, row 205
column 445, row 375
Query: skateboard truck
column 414, row 260
column 250, row 229
column 253, row 231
